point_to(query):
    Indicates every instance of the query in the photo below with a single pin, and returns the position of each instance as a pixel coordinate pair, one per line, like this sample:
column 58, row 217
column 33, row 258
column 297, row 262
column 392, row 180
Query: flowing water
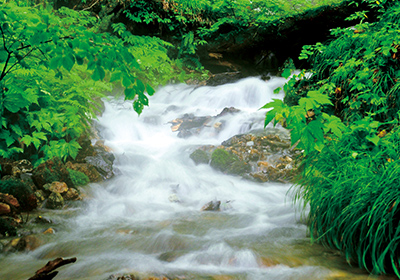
column 130, row 224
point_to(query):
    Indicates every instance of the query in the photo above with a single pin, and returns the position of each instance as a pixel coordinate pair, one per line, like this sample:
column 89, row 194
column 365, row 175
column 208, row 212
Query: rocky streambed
column 262, row 155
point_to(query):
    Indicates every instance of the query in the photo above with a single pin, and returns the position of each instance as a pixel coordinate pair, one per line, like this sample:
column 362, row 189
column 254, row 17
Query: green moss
column 200, row 156
column 6, row 228
column 222, row 160
column 239, row 168
column 78, row 178
column 19, row 190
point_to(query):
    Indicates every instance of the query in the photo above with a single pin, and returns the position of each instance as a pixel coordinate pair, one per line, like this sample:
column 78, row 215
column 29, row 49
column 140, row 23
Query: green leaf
column 320, row 98
column 55, row 62
column 98, row 73
column 286, row 73
column 374, row 139
column 130, row 93
column 138, row 106
column 277, row 90
column 150, row 90
column 115, row 76
column 68, row 62
column 140, row 86
column 3, row 55
column 14, row 102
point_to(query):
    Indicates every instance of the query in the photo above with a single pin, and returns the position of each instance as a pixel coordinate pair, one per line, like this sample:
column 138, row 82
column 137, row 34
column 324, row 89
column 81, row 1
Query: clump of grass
column 354, row 198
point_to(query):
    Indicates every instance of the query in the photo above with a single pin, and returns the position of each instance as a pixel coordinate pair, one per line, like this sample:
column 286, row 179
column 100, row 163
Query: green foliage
column 6, row 227
column 344, row 114
column 354, row 196
column 78, row 178
column 55, row 67
column 19, row 190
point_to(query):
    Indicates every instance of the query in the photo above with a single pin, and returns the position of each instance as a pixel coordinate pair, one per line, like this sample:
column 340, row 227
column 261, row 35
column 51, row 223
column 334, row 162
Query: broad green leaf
column 68, row 61
column 55, row 62
column 138, row 106
column 140, row 86
column 14, row 102
column 286, row 73
column 130, row 93
column 115, row 76
column 3, row 55
column 320, row 98
column 373, row 138
column 150, row 90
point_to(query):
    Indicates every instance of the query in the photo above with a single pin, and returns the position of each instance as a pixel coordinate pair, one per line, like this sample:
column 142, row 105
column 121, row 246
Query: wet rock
column 55, row 201
column 16, row 168
column 42, row 220
column 4, row 209
column 262, row 156
column 122, row 277
column 174, row 198
column 71, row 194
column 49, row 231
column 212, row 206
column 26, row 243
column 239, row 168
column 57, row 187
column 40, row 197
column 103, row 162
column 199, row 156
column 228, row 110
column 222, row 160
column 9, row 199
column 50, row 171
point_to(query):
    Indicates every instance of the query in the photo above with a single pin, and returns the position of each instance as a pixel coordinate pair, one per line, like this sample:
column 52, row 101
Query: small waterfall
column 129, row 224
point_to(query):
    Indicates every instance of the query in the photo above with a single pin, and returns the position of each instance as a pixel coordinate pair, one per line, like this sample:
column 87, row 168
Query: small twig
column 90, row 6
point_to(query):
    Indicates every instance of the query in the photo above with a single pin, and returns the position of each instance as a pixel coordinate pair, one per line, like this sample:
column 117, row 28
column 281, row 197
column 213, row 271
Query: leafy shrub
column 344, row 113
column 6, row 227
column 78, row 178
column 55, row 67
column 21, row 191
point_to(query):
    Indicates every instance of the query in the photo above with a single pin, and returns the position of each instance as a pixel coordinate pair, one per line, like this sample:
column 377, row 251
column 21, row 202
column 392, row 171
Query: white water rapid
column 129, row 225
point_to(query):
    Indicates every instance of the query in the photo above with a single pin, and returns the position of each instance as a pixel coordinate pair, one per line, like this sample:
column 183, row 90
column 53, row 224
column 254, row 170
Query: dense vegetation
column 344, row 113
column 54, row 68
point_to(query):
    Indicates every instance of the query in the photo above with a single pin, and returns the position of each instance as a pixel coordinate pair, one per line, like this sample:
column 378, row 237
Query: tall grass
column 354, row 197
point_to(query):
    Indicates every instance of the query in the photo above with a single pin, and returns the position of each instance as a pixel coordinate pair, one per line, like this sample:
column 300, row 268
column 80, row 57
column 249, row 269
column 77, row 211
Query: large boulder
column 51, row 171
column 263, row 155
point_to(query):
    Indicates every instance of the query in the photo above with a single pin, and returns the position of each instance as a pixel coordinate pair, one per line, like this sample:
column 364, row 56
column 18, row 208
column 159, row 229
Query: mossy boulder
column 78, row 178
column 21, row 191
column 239, row 168
column 199, row 156
column 55, row 201
column 50, row 171
column 222, row 160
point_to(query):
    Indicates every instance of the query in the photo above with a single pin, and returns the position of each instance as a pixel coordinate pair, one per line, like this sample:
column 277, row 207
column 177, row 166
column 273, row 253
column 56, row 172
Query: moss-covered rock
column 78, row 178
column 21, row 191
column 199, row 156
column 55, row 201
column 50, row 171
column 239, row 168
column 222, row 160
